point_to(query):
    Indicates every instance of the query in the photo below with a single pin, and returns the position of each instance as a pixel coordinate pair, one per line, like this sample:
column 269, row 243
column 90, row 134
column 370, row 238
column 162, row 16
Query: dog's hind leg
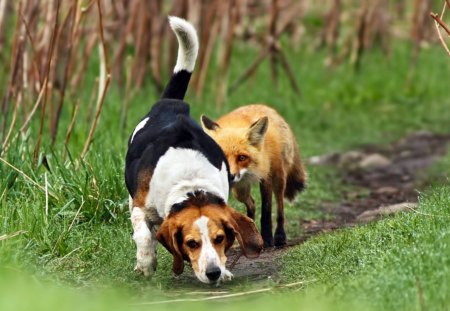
column 145, row 239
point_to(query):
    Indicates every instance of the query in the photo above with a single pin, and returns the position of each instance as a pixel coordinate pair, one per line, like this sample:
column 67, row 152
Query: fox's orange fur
column 260, row 147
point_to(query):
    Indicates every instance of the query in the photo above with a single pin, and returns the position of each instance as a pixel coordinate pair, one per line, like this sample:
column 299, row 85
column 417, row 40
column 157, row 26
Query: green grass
column 389, row 265
column 78, row 251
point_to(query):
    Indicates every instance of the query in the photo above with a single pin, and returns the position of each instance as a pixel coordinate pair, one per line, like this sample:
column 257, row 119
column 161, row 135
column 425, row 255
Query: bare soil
column 382, row 175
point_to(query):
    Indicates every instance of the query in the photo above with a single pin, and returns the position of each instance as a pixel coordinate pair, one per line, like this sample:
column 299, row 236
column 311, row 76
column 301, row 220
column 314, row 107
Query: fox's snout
column 237, row 176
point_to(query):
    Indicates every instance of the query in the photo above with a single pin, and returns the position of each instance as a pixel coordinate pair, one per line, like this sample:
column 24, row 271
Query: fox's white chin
column 245, row 176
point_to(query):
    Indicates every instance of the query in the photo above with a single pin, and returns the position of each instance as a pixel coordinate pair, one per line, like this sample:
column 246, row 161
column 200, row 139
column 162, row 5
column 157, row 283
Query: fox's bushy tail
column 187, row 55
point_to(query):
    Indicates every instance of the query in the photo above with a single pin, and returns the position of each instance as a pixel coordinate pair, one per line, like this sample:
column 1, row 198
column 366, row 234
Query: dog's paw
column 227, row 276
column 145, row 269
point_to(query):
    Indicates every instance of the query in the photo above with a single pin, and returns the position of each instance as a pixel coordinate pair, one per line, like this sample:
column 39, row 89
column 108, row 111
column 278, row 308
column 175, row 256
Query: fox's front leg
column 242, row 194
column 266, row 212
column 145, row 239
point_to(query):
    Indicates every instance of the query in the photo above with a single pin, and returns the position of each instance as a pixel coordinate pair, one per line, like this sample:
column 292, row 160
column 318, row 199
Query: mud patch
column 383, row 176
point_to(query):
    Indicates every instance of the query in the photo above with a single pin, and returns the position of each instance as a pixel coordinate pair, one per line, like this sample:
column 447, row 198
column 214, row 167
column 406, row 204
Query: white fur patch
column 139, row 127
column 145, row 243
column 238, row 178
column 208, row 254
column 187, row 41
column 180, row 171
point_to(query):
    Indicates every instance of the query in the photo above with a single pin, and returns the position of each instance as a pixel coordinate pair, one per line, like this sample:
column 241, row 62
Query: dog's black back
column 169, row 125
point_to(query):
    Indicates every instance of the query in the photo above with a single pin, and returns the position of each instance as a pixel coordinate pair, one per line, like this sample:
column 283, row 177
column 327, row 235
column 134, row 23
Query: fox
column 260, row 148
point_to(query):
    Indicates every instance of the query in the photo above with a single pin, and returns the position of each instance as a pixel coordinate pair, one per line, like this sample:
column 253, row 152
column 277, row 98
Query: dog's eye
column 192, row 244
column 218, row 239
column 242, row 158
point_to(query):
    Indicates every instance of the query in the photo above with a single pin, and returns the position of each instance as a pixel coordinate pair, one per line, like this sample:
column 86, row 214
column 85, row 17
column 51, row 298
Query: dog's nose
column 213, row 273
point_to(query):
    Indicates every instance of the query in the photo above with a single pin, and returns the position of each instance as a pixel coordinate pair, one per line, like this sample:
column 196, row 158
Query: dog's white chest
column 180, row 171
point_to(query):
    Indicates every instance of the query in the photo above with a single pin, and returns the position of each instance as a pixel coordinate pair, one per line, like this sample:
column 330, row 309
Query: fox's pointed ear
column 208, row 124
column 257, row 131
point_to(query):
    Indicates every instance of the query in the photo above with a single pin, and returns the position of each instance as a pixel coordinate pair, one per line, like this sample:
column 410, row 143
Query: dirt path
column 386, row 175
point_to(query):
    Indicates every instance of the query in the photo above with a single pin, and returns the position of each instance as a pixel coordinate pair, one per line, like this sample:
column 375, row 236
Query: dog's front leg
column 145, row 239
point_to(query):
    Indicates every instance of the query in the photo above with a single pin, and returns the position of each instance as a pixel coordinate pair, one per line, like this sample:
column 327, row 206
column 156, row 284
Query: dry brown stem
column 438, row 22
column 57, row 116
column 436, row 17
column 103, row 83
column 47, row 75
column 71, row 125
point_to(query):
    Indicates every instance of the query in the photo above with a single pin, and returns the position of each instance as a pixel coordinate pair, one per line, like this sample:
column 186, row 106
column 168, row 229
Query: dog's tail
column 187, row 54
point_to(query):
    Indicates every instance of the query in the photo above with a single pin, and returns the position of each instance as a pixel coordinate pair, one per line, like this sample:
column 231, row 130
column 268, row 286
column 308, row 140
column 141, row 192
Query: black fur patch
column 199, row 198
column 177, row 86
column 169, row 125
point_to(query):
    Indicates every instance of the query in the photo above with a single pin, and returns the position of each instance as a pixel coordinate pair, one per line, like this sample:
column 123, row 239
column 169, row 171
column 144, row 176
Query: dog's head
column 202, row 233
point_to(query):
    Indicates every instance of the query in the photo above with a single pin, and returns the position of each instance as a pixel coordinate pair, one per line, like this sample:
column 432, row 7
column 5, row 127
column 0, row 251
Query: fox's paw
column 280, row 238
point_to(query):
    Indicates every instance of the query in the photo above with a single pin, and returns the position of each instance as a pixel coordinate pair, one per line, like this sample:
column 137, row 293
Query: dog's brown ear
column 169, row 235
column 257, row 131
column 244, row 229
column 208, row 124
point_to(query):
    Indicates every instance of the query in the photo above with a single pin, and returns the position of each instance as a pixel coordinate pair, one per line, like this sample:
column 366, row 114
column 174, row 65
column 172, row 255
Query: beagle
column 178, row 178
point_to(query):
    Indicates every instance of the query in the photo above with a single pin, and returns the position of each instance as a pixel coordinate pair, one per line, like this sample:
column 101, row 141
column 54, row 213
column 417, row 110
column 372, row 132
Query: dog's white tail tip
column 188, row 43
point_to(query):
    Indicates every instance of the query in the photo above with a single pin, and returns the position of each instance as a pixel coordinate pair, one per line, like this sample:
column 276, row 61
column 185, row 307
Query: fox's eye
column 218, row 239
column 192, row 244
column 242, row 158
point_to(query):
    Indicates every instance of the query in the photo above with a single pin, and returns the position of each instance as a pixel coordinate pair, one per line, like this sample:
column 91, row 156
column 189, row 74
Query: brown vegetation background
column 48, row 46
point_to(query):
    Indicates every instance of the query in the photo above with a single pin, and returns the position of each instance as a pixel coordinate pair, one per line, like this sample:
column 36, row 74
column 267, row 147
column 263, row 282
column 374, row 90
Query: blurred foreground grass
column 76, row 251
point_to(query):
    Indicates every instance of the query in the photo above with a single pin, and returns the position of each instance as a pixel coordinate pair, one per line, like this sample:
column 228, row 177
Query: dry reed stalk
column 419, row 26
column 361, row 30
column 103, row 83
column 45, row 84
column 142, row 43
column 378, row 25
column 78, row 77
column 55, row 123
column 70, row 128
column 224, row 64
column 438, row 22
column 12, row 125
column 14, row 234
column 27, row 177
column 209, row 38
column 273, row 50
column 250, row 70
column 128, row 94
column 15, row 60
column 124, row 14
column 179, row 8
column 33, row 111
column 156, row 44
column 209, row 27
column 290, row 73
column 32, row 45
column 331, row 32
column 274, row 13
column 3, row 7
column 56, row 81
